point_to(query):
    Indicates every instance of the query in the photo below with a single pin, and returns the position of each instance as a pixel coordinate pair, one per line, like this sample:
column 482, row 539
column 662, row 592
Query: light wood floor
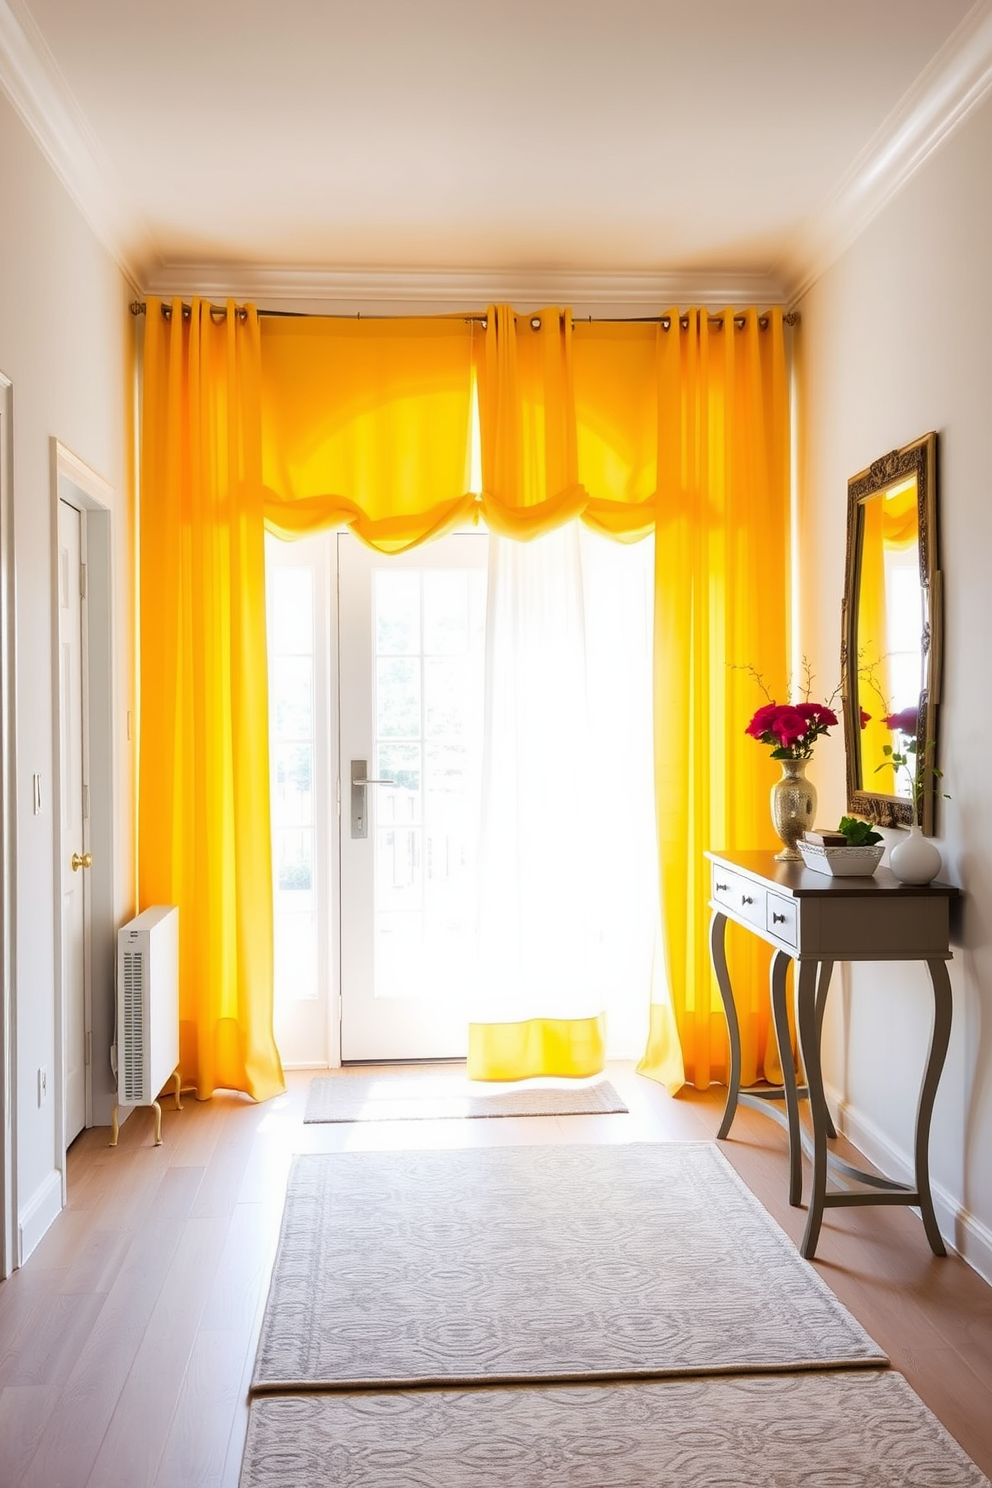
column 127, row 1340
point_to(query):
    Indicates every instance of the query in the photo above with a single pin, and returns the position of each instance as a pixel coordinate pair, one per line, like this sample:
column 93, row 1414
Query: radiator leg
column 158, row 1123
column 114, row 1127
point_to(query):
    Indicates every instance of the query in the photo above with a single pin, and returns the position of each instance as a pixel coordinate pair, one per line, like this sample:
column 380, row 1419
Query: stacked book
column 830, row 852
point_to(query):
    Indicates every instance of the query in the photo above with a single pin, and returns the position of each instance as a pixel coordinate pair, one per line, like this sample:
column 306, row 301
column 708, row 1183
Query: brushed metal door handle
column 359, row 780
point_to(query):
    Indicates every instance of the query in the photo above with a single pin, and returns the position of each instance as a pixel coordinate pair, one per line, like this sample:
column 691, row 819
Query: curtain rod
column 791, row 317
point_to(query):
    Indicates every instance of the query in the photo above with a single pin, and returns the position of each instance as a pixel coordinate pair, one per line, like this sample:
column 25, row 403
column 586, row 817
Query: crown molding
column 432, row 291
column 956, row 81
column 39, row 94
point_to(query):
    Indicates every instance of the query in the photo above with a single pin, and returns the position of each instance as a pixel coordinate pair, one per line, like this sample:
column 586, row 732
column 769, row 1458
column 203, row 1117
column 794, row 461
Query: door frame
column 8, row 835
column 79, row 486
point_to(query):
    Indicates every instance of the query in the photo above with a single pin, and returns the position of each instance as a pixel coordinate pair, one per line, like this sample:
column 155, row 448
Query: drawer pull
column 721, row 888
column 778, row 919
column 746, row 899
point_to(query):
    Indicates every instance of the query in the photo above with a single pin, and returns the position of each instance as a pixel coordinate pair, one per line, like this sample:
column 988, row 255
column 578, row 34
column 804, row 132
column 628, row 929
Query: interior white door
column 411, row 635
column 74, row 826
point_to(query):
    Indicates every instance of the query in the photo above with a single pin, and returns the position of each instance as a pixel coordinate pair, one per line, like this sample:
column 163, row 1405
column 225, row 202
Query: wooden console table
column 816, row 920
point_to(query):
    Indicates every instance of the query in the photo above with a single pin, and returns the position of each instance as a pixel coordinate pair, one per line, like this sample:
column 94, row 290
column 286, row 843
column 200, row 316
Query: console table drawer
column 781, row 918
column 743, row 899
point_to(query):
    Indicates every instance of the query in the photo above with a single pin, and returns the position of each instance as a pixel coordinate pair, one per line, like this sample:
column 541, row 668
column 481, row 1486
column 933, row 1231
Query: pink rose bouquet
column 906, row 722
column 792, row 728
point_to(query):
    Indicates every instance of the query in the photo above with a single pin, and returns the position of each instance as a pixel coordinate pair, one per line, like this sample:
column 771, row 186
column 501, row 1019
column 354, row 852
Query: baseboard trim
column 40, row 1212
column 965, row 1234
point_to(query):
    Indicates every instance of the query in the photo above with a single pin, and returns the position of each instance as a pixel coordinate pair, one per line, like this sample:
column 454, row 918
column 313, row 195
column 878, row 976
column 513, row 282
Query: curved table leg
column 780, row 1018
column 939, row 1040
column 718, row 955
column 809, row 1029
column 822, row 988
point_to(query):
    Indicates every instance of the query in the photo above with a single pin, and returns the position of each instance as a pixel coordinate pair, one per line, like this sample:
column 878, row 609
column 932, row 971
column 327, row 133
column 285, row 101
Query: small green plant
column 921, row 773
column 858, row 833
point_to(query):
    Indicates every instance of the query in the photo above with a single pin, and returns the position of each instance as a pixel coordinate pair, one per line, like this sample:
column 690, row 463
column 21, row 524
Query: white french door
column 377, row 727
column 411, row 646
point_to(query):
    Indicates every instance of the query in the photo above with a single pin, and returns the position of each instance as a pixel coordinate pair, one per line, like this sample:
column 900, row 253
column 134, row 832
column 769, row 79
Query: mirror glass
column 891, row 645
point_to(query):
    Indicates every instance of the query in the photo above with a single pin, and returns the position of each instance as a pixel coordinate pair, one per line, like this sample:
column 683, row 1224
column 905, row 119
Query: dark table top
column 798, row 880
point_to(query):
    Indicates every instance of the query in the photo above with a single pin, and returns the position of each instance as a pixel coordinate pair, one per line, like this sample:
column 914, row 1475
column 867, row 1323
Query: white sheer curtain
column 568, row 909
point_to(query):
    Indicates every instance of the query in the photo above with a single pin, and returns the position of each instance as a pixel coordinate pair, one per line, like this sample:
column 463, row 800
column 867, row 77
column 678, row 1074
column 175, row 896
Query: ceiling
column 422, row 149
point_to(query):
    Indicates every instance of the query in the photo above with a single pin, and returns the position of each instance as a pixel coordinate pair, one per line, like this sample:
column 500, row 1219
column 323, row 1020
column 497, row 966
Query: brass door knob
column 84, row 860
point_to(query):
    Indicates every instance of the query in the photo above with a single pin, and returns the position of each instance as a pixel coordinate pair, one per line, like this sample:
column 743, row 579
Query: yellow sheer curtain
column 615, row 376
column 721, row 598
column 889, row 525
column 568, row 1047
column 569, row 429
column 874, row 687
column 529, row 487
column 366, row 424
column 203, row 780
column 527, row 423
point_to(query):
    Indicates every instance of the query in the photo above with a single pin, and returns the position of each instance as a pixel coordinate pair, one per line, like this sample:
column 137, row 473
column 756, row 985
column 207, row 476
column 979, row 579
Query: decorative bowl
column 841, row 862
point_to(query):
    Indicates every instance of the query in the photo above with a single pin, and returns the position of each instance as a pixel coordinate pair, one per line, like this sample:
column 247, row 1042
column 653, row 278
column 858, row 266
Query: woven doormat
column 432, row 1096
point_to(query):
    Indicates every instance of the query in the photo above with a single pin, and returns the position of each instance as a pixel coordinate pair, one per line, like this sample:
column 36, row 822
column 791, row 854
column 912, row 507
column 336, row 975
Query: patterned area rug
column 537, row 1263
column 863, row 1430
column 432, row 1096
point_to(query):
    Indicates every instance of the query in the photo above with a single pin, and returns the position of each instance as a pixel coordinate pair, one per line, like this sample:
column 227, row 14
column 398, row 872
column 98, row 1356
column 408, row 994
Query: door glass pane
column 398, row 697
column 291, row 611
column 292, row 773
column 292, row 746
column 291, row 696
column 293, row 858
column 446, row 614
column 430, row 634
column 400, row 801
column 450, row 703
column 295, row 955
column 397, row 614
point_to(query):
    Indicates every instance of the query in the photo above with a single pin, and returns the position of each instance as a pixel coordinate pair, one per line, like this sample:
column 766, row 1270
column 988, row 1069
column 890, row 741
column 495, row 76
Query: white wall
column 896, row 340
column 65, row 337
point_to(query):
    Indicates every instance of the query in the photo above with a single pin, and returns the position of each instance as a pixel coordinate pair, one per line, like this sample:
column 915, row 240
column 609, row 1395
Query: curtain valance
column 368, row 424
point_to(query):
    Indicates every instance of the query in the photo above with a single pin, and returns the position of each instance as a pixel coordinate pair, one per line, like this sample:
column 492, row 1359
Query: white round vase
column 914, row 859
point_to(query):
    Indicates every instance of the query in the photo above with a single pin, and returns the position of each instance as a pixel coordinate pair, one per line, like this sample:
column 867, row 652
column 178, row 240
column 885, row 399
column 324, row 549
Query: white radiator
column 147, row 1004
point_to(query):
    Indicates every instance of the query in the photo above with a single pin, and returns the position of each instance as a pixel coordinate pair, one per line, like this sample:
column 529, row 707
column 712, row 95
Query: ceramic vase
column 914, row 859
column 793, row 808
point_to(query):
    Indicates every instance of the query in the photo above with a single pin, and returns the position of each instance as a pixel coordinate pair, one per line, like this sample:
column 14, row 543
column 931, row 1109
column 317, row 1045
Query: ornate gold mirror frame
column 891, row 642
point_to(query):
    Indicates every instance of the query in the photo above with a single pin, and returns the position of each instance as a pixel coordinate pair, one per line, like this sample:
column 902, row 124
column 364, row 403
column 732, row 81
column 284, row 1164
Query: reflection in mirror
column 890, row 652
column 890, row 630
